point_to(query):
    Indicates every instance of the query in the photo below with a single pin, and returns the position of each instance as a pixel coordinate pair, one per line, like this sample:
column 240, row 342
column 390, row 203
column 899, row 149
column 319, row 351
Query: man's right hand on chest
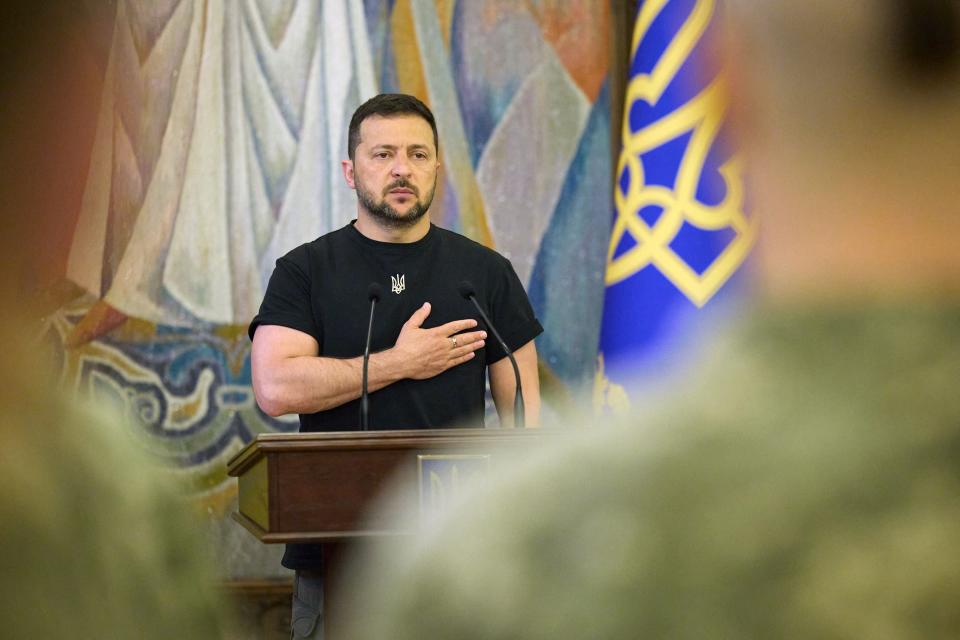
column 424, row 353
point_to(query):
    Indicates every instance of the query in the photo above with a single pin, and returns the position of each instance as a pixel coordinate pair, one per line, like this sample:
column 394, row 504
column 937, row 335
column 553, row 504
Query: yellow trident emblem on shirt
column 701, row 118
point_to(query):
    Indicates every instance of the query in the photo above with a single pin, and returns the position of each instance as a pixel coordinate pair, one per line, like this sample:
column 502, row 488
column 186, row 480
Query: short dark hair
column 926, row 39
column 388, row 104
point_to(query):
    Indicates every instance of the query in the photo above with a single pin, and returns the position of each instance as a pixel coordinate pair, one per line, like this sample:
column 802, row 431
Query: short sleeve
column 287, row 301
column 510, row 311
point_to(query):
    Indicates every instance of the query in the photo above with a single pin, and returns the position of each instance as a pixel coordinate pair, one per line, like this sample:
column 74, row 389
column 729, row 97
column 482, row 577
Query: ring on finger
column 453, row 341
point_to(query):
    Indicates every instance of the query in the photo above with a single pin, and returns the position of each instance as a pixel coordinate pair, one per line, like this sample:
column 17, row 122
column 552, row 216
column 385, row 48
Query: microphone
column 373, row 295
column 466, row 289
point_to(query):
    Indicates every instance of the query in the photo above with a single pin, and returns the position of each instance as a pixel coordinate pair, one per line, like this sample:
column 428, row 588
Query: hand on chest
column 345, row 314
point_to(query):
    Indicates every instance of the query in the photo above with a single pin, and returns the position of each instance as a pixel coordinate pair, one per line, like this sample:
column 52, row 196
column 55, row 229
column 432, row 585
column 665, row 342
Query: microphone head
column 465, row 288
column 374, row 291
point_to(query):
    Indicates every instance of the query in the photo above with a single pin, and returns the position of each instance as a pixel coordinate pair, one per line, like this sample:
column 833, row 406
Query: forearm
column 307, row 384
column 290, row 377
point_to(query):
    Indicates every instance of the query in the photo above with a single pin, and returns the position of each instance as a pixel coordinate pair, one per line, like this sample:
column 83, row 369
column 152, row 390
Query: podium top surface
column 380, row 439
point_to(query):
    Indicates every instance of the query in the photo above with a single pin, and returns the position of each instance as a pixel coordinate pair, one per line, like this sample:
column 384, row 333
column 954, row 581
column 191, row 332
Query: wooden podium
column 318, row 487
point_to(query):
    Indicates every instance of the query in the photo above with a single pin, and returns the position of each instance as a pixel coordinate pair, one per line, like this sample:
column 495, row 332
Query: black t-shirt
column 320, row 288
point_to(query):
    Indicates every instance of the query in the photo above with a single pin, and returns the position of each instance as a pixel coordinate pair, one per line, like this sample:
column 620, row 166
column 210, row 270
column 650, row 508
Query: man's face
column 394, row 169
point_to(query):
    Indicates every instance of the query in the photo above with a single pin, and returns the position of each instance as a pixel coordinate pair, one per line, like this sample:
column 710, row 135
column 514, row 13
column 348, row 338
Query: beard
column 388, row 217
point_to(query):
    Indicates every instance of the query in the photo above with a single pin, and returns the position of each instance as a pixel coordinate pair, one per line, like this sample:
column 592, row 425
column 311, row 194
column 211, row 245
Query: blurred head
column 850, row 114
column 830, row 84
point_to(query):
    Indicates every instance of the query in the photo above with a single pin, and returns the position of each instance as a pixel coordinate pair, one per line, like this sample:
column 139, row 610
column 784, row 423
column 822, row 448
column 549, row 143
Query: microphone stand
column 373, row 295
column 519, row 418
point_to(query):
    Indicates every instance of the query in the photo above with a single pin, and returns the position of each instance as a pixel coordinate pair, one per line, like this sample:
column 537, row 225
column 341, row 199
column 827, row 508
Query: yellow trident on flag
column 700, row 118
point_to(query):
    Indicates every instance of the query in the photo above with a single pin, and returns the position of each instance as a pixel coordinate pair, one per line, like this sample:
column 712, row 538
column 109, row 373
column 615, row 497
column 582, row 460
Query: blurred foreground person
column 94, row 542
column 806, row 483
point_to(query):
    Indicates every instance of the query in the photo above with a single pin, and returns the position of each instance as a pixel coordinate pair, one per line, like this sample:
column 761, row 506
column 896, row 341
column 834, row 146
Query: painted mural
column 216, row 149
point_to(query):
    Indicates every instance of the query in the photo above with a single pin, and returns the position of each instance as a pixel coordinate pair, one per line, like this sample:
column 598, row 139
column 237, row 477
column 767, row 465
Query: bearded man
column 429, row 348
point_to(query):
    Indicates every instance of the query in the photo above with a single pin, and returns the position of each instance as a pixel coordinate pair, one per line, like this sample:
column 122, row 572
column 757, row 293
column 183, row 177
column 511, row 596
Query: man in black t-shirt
column 429, row 350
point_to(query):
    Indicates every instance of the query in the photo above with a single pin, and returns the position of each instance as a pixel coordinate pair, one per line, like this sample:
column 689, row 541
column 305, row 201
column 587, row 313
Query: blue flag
column 680, row 231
